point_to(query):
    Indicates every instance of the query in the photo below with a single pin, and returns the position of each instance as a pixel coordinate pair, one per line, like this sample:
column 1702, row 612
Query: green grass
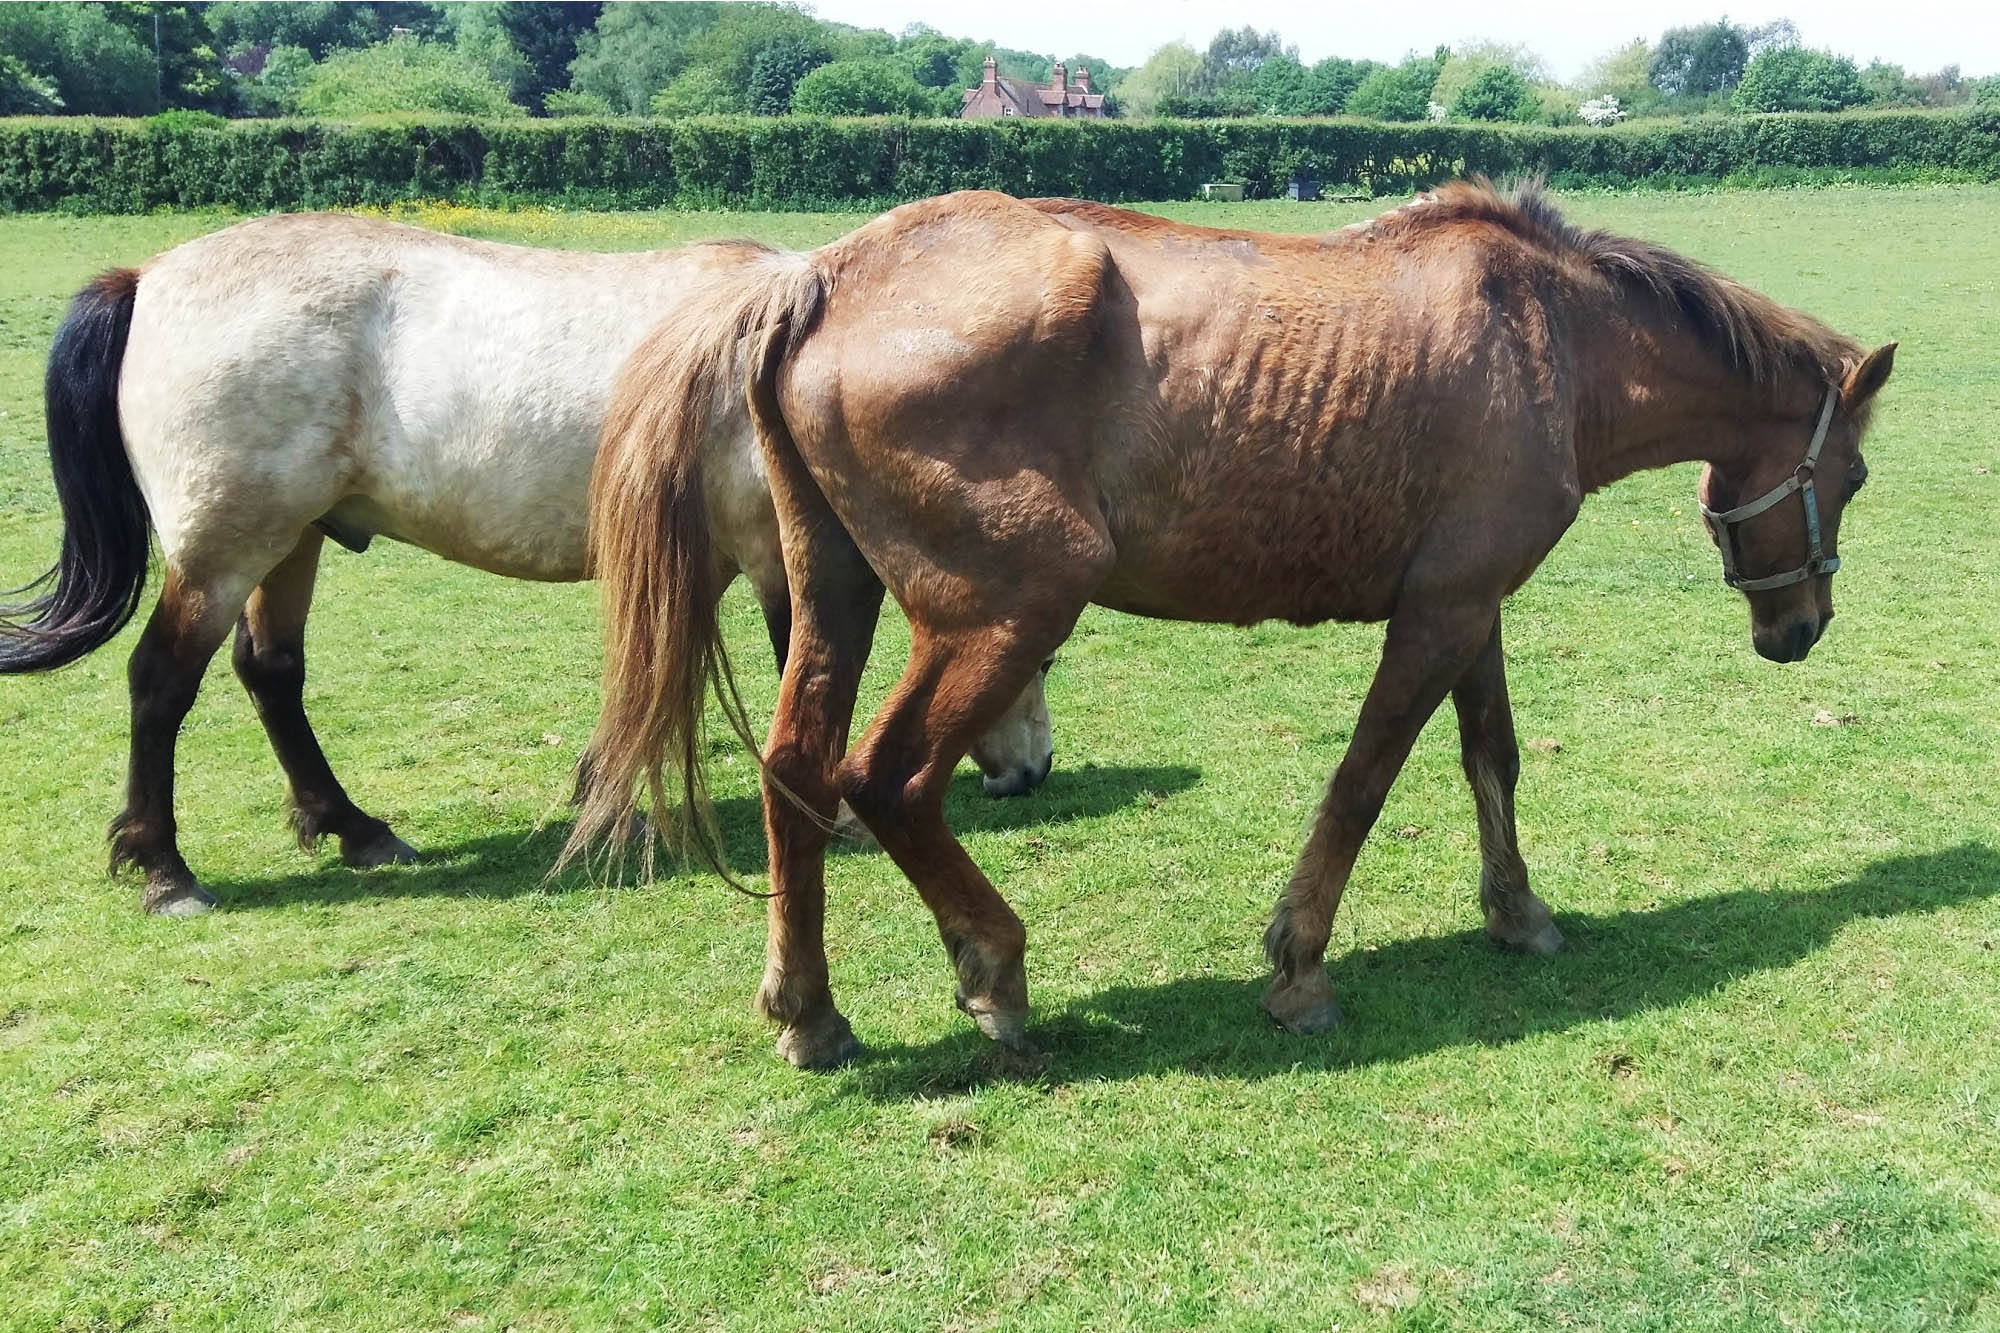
column 1758, row 1090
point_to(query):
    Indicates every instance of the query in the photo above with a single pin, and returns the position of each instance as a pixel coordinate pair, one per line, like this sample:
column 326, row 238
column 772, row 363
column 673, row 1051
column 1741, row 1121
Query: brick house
column 996, row 96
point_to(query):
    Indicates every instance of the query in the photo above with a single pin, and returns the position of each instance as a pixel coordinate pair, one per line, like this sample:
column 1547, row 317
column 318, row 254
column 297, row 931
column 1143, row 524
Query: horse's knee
column 792, row 769
column 878, row 795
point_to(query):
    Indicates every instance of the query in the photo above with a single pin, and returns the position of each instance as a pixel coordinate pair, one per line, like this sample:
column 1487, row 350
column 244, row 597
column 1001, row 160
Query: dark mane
column 1767, row 342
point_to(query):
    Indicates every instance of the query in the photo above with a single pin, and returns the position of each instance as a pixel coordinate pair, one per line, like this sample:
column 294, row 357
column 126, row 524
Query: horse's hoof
column 827, row 1043
column 1006, row 1027
column 1303, row 1004
column 1544, row 943
column 385, row 849
column 1537, row 935
column 182, row 898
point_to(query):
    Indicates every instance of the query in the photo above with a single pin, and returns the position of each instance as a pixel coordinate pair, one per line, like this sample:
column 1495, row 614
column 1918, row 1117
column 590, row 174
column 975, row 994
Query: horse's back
column 439, row 390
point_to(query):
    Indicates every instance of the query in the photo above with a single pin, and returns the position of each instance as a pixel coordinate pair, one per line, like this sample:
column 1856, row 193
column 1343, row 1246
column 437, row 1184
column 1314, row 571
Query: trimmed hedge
column 131, row 166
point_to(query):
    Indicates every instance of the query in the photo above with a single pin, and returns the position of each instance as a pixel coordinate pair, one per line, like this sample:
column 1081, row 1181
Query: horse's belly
column 548, row 547
column 1217, row 566
column 1245, row 596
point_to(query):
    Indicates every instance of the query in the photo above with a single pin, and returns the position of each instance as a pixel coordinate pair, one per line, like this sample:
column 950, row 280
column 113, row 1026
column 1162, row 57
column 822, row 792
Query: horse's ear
column 1866, row 380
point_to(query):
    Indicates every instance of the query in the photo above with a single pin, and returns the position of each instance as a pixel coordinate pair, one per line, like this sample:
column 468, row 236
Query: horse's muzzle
column 1020, row 781
column 1790, row 644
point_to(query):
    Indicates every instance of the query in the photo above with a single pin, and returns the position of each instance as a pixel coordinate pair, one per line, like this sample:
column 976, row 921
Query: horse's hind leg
column 1514, row 915
column 955, row 686
column 838, row 600
column 164, row 674
column 270, row 660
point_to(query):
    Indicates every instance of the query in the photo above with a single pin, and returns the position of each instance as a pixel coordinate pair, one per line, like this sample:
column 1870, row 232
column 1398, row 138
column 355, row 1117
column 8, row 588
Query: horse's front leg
column 1514, row 915
column 1429, row 646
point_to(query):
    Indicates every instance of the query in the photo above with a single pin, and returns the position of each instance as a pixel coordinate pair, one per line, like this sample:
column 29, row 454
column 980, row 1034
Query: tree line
column 1690, row 70
column 504, row 58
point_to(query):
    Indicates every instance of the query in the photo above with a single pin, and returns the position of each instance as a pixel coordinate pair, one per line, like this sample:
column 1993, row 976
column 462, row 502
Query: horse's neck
column 1653, row 397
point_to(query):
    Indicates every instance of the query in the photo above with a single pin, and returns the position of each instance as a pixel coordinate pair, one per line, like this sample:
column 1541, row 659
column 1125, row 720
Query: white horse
column 297, row 377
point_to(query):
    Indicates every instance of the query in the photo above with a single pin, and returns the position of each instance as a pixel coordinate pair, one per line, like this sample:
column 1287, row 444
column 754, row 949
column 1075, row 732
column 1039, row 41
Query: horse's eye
column 1047, row 662
column 1857, row 477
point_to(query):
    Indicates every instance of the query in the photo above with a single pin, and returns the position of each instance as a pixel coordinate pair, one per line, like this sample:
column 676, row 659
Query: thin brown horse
column 1007, row 410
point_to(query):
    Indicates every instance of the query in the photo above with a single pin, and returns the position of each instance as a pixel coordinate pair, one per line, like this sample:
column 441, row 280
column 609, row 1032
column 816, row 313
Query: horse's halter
column 1801, row 480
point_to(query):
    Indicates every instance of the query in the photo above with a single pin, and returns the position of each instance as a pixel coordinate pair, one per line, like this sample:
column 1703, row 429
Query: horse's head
column 1778, row 525
column 1015, row 755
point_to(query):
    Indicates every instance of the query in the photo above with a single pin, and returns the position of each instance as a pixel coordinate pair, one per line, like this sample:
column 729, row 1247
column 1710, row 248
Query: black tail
column 97, row 581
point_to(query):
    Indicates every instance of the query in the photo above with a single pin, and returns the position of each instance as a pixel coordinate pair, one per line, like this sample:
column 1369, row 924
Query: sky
column 1920, row 35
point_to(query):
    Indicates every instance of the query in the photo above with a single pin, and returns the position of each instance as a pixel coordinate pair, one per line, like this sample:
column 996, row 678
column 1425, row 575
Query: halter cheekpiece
column 1801, row 480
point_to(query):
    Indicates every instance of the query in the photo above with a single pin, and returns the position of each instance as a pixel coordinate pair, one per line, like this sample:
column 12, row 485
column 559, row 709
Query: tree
column 1470, row 61
column 1401, row 93
column 476, row 29
column 636, row 50
column 1944, row 87
column 176, row 38
column 76, row 57
column 404, row 74
column 1277, row 87
column 1168, row 72
column 740, row 33
column 1600, row 111
column 1770, row 36
column 1699, row 61
column 319, row 26
column 775, row 76
column 695, row 91
column 937, row 61
column 1885, row 84
column 570, row 102
column 1620, row 73
column 1237, row 54
column 24, row 92
column 1792, row 78
column 1330, row 84
column 863, row 88
column 1494, row 93
column 546, row 36
column 274, row 90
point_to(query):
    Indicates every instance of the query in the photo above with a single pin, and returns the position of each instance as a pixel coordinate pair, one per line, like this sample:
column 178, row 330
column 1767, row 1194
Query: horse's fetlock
column 790, row 998
column 1288, row 946
column 136, row 840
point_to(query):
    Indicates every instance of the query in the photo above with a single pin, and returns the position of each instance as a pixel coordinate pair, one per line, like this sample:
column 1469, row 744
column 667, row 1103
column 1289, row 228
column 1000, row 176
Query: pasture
column 1757, row 1089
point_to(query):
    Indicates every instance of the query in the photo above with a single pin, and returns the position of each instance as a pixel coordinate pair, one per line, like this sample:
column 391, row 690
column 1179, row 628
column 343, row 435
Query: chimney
column 1061, row 80
column 990, row 75
column 1083, row 78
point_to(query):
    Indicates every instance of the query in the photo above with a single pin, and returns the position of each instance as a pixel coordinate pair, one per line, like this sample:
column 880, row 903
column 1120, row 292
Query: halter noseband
column 1801, row 480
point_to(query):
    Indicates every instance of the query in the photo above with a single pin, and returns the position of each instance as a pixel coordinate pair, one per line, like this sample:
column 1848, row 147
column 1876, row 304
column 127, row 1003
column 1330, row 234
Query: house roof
column 997, row 96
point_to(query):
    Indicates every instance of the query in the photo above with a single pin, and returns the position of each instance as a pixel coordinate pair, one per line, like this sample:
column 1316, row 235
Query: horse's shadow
column 506, row 865
column 1411, row 997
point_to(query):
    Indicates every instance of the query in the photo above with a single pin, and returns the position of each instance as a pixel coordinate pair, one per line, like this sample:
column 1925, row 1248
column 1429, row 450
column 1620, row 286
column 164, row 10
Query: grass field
column 1758, row 1090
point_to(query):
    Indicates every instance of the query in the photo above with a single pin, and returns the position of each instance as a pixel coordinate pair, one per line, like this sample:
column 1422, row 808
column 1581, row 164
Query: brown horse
column 1007, row 410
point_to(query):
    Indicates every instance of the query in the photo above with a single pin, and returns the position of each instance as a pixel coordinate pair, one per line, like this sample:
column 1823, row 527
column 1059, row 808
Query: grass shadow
column 507, row 864
column 1412, row 997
